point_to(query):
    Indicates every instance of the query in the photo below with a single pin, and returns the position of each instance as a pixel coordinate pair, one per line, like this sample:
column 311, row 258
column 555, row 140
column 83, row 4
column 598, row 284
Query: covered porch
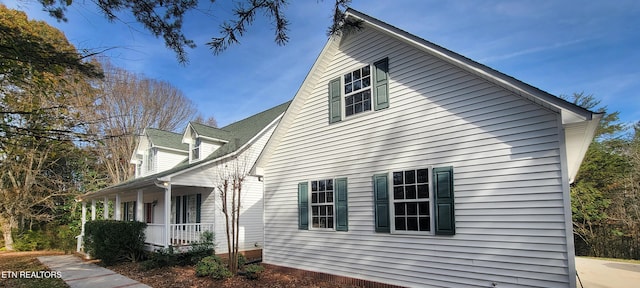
column 174, row 213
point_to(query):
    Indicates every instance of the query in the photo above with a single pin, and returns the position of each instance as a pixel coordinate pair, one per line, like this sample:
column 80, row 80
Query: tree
column 44, row 84
column 127, row 104
column 210, row 121
column 164, row 18
column 231, row 176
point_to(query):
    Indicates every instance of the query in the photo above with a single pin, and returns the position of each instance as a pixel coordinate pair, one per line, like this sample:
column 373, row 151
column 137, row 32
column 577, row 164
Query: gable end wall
column 510, row 224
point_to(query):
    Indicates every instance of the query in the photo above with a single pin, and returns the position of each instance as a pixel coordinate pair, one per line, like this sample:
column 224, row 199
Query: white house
column 176, row 177
column 403, row 163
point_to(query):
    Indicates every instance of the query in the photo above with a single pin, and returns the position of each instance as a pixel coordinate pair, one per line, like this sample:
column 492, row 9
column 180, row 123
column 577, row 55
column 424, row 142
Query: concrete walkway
column 607, row 274
column 79, row 274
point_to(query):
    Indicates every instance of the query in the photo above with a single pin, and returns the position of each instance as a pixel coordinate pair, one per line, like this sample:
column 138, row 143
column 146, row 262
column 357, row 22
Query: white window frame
column 196, row 147
column 311, row 204
column 392, row 201
column 151, row 155
column 344, row 94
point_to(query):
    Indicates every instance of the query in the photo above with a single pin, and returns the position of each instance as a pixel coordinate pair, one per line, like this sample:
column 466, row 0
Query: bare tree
column 127, row 104
column 210, row 121
column 231, row 177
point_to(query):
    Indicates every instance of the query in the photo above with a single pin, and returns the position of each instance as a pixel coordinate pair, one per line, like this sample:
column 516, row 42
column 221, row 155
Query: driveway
column 607, row 274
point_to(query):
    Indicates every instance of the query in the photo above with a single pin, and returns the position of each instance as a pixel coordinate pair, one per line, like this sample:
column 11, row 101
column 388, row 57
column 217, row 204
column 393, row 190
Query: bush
column 113, row 241
column 31, row 240
column 214, row 267
column 253, row 271
column 241, row 261
column 169, row 257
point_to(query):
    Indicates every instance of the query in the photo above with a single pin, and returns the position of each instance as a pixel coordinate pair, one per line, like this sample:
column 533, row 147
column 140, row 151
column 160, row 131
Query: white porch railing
column 188, row 233
column 155, row 234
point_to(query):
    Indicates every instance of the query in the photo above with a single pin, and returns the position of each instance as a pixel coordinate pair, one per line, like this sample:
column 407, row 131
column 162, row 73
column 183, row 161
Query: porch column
column 83, row 220
column 93, row 209
column 140, row 207
column 116, row 214
column 167, row 212
column 105, row 214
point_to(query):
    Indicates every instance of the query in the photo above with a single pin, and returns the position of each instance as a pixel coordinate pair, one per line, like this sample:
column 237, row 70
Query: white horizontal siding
column 166, row 160
column 508, row 180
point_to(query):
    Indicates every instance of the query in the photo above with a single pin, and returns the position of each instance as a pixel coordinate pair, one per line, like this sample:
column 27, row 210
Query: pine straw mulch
column 186, row 277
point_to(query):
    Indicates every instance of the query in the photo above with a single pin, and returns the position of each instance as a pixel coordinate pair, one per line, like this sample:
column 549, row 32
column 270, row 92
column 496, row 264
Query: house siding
column 251, row 220
column 505, row 150
column 166, row 160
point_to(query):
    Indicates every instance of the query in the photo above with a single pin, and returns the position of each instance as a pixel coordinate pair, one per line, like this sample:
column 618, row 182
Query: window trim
column 310, row 204
column 392, row 224
column 344, row 95
column 196, row 147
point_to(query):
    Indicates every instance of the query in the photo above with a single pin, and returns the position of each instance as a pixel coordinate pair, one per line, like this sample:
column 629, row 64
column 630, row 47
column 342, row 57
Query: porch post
column 83, row 220
column 116, row 214
column 167, row 211
column 93, row 209
column 139, row 207
column 105, row 214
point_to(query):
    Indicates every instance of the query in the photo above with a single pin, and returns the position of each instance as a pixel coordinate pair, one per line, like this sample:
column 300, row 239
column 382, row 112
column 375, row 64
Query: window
column 411, row 200
column 129, row 209
column 195, row 152
column 357, row 91
column 410, row 203
column 360, row 90
column 328, row 205
column 322, row 204
column 148, row 212
column 150, row 160
column 186, row 209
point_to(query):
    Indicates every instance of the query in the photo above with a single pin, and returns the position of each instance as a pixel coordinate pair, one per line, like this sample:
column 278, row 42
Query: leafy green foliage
column 169, row 257
column 113, row 241
column 253, row 271
column 214, row 267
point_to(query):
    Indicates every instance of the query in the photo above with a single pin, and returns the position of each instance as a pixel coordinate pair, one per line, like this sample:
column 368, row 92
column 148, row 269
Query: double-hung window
column 328, row 202
column 419, row 201
column 150, row 159
column 363, row 89
column 357, row 91
column 195, row 152
column 322, row 215
column 411, row 200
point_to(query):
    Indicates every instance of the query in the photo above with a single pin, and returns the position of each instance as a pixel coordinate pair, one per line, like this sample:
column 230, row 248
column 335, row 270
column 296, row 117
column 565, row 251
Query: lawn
column 26, row 261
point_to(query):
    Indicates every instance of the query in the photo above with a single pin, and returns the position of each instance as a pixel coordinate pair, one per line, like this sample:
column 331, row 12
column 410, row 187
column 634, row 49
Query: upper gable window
column 195, row 152
column 360, row 90
column 357, row 90
column 150, row 159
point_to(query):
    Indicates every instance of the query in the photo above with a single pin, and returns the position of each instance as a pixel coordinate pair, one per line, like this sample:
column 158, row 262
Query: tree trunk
column 7, row 224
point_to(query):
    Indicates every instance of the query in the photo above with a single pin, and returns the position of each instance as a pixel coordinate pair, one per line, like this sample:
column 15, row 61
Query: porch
column 173, row 215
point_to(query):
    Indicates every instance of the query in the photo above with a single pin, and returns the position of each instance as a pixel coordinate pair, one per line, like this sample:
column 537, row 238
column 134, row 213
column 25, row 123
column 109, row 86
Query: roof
column 240, row 133
column 210, row 132
column 166, row 139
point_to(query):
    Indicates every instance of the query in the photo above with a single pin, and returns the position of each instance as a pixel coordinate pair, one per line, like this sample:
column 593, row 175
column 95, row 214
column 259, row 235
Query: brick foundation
column 330, row 277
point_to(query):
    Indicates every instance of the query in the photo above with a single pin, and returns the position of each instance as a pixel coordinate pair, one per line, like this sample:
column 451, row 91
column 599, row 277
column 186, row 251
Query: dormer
column 158, row 151
column 203, row 140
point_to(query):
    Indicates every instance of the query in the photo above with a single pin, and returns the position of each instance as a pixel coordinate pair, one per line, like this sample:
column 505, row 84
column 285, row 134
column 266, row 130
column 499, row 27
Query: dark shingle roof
column 166, row 139
column 211, row 132
column 240, row 133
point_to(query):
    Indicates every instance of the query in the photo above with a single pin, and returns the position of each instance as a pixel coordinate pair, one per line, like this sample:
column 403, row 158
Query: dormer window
column 150, row 160
column 195, row 152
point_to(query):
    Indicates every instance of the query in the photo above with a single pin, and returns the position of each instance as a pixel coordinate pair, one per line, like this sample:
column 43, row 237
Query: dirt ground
column 594, row 273
column 186, row 277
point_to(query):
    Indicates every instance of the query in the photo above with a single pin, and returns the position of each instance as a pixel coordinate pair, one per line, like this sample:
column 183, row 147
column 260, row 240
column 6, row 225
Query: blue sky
column 561, row 47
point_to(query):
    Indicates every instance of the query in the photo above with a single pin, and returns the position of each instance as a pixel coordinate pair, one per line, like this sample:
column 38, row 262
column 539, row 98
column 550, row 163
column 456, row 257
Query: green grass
column 27, row 261
column 614, row 259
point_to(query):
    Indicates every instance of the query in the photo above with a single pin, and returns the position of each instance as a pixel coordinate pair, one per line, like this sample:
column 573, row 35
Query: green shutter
column 125, row 211
column 184, row 209
column 135, row 211
column 342, row 210
column 335, row 104
column 303, row 206
column 178, row 210
column 198, row 204
column 381, row 87
column 381, row 202
column 443, row 193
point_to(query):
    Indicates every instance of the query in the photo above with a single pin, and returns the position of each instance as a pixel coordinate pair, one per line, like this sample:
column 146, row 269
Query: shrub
column 253, row 271
column 214, row 267
column 169, row 257
column 31, row 240
column 241, row 261
column 113, row 241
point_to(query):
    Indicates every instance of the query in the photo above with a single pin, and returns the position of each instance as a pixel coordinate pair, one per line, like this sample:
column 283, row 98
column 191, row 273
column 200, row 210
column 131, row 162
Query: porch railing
column 188, row 233
column 179, row 234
